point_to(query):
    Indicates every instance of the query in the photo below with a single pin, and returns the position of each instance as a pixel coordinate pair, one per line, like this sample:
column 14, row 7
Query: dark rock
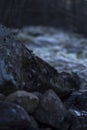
column 80, row 124
column 12, row 115
column 70, row 100
column 77, row 100
column 33, row 123
column 68, row 82
column 31, row 129
column 46, row 128
column 25, row 99
column 51, row 111
column 81, row 101
column 38, row 94
column 2, row 97
column 21, row 69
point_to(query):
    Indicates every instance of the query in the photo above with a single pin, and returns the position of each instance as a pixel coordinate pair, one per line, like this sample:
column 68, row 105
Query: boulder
column 20, row 69
column 81, row 101
column 51, row 111
column 33, row 123
column 12, row 115
column 77, row 100
column 2, row 97
column 80, row 124
column 25, row 99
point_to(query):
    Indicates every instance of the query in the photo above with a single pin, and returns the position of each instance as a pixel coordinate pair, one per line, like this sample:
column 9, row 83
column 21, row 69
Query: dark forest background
column 70, row 14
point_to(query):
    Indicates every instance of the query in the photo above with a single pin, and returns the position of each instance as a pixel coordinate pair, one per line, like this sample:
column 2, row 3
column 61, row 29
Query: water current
column 64, row 50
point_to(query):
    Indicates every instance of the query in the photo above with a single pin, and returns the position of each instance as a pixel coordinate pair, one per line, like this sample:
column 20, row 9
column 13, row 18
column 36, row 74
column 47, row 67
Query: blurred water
column 64, row 50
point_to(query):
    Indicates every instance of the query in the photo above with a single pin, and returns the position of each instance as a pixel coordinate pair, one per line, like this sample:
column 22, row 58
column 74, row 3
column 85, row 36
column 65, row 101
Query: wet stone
column 51, row 111
column 77, row 100
column 25, row 99
column 70, row 100
column 30, row 128
column 80, row 124
column 33, row 123
column 81, row 101
column 12, row 115
column 46, row 129
column 38, row 94
column 2, row 97
column 20, row 69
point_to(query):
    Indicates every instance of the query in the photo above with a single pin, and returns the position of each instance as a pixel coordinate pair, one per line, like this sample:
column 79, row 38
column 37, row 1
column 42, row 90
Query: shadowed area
column 66, row 14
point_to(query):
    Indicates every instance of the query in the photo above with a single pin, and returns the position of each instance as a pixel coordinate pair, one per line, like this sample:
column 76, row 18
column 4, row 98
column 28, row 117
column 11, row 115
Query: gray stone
column 77, row 100
column 33, row 123
column 80, row 124
column 25, row 99
column 51, row 111
column 20, row 69
column 2, row 97
column 81, row 101
column 12, row 115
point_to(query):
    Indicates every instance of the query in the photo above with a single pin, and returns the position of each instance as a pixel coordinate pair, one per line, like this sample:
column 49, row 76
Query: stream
column 64, row 50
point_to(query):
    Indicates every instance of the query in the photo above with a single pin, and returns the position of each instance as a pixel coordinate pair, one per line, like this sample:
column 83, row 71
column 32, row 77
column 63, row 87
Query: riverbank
column 42, row 79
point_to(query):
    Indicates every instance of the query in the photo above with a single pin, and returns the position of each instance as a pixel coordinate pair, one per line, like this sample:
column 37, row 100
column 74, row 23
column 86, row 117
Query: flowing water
column 63, row 50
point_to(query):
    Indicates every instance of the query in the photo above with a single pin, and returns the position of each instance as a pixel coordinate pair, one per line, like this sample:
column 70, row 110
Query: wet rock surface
column 2, row 97
column 51, row 111
column 81, row 101
column 25, row 99
column 33, row 123
column 80, row 124
column 77, row 101
column 53, row 98
column 65, row 51
column 21, row 69
column 12, row 115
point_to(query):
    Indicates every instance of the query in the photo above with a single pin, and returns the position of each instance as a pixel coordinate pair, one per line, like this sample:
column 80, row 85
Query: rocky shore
column 33, row 94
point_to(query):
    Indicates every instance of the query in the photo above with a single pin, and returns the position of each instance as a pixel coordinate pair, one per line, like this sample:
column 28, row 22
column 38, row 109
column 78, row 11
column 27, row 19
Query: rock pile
column 33, row 95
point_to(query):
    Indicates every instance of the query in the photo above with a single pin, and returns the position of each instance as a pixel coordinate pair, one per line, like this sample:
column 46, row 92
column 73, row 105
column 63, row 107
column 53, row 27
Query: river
column 64, row 50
